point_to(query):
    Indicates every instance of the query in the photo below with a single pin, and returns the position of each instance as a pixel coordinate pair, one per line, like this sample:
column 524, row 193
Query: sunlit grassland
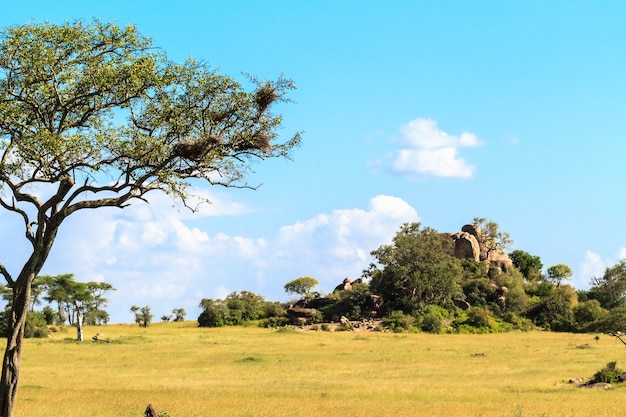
column 189, row 371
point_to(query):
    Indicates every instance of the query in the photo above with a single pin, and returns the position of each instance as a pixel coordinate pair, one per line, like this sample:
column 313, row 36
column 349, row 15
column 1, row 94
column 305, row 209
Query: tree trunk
column 13, row 353
column 79, row 322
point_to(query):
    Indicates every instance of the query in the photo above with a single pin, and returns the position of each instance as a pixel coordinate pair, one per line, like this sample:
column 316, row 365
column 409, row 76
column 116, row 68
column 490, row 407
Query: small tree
column 301, row 286
column 214, row 313
column 72, row 297
column 491, row 236
column 610, row 288
column 529, row 265
column 96, row 312
column 558, row 273
column 143, row 316
column 179, row 314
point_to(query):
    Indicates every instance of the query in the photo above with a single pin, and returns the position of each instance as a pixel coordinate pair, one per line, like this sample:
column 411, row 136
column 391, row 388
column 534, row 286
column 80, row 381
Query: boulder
column 318, row 302
column 601, row 385
column 462, row 304
column 471, row 229
column 501, row 260
column 344, row 286
column 301, row 312
column 466, row 246
column 373, row 302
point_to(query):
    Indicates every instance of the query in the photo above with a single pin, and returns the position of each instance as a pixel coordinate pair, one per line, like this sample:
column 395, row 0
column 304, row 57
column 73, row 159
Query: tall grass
column 188, row 371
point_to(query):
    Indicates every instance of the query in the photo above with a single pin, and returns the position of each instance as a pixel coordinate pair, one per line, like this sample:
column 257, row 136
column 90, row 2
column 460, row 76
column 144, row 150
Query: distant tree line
column 426, row 288
column 69, row 302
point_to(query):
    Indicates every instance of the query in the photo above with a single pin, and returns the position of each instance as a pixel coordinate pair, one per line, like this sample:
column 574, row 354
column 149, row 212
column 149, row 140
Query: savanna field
column 188, row 371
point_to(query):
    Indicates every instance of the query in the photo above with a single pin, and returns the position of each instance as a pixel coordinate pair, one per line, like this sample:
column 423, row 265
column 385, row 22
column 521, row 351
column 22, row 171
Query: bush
column 398, row 322
column 479, row 320
column 270, row 322
column 553, row 313
column 588, row 314
column 36, row 325
column 479, row 317
column 610, row 373
column 350, row 304
column 431, row 323
column 518, row 323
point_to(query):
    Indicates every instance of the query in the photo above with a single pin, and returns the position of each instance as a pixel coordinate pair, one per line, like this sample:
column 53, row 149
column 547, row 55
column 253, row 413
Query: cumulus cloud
column 335, row 245
column 153, row 255
column 424, row 150
column 594, row 265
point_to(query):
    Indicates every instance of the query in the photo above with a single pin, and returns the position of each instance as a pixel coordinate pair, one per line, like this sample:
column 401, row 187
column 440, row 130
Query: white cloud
column 427, row 151
column 594, row 265
column 154, row 257
column 333, row 246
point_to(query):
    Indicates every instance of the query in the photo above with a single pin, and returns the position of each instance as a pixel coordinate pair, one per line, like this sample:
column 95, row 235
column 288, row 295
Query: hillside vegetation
column 188, row 371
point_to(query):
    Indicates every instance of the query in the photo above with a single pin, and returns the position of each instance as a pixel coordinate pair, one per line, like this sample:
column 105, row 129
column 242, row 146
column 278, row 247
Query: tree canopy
column 559, row 273
column 610, row 288
column 529, row 265
column 93, row 115
column 418, row 268
column 301, row 286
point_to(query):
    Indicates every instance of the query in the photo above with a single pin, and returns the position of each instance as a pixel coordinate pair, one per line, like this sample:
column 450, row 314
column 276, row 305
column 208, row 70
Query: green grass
column 187, row 371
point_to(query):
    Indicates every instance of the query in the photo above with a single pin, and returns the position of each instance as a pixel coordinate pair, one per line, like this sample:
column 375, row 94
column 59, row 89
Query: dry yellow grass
column 187, row 371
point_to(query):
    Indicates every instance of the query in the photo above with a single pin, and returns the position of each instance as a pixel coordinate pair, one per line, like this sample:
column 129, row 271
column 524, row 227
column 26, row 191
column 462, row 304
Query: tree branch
column 6, row 275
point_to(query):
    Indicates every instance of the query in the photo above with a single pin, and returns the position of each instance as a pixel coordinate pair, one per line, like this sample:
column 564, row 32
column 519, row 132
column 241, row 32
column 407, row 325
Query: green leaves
column 418, row 268
column 97, row 102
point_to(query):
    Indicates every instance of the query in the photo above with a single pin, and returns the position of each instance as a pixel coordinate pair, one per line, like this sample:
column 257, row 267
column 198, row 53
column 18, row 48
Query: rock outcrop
column 466, row 246
column 472, row 243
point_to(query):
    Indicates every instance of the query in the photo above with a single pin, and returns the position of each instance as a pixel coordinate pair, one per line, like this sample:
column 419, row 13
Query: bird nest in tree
column 259, row 141
column 265, row 96
column 195, row 149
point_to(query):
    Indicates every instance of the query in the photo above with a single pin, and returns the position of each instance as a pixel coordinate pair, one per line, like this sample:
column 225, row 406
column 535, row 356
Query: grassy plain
column 188, row 371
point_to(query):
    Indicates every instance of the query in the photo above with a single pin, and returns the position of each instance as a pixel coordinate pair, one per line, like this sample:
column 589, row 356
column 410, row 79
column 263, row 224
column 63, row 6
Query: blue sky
column 430, row 111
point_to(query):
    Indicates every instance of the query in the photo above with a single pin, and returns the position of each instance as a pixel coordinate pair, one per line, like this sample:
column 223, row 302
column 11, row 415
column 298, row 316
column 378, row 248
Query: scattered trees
column 236, row 309
column 93, row 115
column 143, row 315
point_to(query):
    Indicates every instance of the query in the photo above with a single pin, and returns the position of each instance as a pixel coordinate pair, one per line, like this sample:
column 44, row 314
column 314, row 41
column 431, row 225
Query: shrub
column 554, row 313
column 36, row 325
column 518, row 323
column 344, row 327
column 431, row 323
column 350, row 304
column 588, row 313
column 398, row 322
column 270, row 322
column 610, row 373
column 51, row 316
column 479, row 317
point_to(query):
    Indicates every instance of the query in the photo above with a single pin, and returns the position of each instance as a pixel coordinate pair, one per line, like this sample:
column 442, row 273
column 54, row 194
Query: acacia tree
column 93, row 115
column 491, row 236
column 96, row 313
column 143, row 315
column 558, row 273
column 301, row 286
